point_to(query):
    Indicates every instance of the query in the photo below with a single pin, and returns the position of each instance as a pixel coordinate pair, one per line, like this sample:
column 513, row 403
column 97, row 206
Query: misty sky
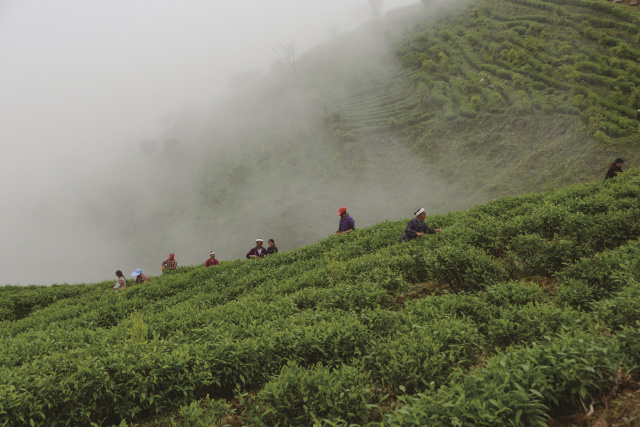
column 78, row 79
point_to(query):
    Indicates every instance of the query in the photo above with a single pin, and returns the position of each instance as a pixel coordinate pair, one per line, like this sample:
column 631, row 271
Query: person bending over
column 140, row 278
column 417, row 227
column 121, row 283
column 170, row 262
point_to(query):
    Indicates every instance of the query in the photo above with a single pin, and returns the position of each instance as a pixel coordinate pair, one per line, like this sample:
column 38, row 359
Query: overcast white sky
column 77, row 74
column 79, row 77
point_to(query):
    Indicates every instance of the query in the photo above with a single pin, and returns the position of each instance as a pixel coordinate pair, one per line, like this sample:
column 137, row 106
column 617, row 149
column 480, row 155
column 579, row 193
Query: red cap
column 341, row 210
column 170, row 255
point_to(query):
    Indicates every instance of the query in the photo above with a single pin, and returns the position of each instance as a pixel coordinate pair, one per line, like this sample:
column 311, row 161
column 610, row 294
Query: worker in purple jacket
column 258, row 251
column 346, row 222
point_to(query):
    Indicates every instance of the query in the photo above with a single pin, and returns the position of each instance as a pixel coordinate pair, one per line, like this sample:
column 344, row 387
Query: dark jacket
column 272, row 250
column 613, row 171
column 413, row 228
column 255, row 251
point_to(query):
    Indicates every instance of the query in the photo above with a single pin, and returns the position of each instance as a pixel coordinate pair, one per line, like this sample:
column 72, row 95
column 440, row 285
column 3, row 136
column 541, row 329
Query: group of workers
column 122, row 282
column 169, row 263
column 260, row 252
column 415, row 228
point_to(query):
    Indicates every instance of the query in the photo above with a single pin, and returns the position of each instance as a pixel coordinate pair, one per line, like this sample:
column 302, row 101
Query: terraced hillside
column 522, row 309
column 464, row 101
column 560, row 57
column 550, row 87
column 362, row 111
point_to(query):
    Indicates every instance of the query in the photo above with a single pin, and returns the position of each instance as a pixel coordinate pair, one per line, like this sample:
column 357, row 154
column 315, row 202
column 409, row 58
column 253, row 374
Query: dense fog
column 131, row 131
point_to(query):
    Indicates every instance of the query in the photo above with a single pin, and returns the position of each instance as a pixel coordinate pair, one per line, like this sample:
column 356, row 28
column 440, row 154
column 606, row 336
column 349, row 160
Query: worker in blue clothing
column 347, row 223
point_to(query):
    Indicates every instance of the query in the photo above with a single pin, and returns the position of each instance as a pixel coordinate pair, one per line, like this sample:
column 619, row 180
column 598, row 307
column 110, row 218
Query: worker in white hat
column 211, row 260
column 258, row 251
column 417, row 227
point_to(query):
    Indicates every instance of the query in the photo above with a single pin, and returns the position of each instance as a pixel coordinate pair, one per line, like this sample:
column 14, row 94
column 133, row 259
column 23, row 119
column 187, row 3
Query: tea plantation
column 522, row 309
column 490, row 98
column 502, row 86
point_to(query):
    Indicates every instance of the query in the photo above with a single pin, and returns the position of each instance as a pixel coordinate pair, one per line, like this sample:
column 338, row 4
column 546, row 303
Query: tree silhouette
column 287, row 52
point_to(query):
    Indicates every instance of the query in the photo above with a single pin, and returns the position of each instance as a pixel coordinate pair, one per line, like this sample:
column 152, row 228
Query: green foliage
column 204, row 413
column 17, row 302
column 303, row 396
column 138, row 331
column 466, row 268
column 567, row 68
column 424, row 353
column 621, row 310
column 629, row 340
column 577, row 294
column 514, row 294
column 520, row 386
column 530, row 323
column 606, row 272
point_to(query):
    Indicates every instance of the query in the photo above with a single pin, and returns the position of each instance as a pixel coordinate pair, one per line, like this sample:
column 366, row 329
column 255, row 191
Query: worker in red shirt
column 169, row 262
column 211, row 260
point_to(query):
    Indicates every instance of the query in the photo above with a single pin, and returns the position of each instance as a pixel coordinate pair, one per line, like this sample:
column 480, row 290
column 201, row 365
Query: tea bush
column 464, row 267
column 204, row 413
column 577, row 294
column 519, row 387
column 426, row 353
column 469, row 308
column 629, row 340
column 606, row 272
column 17, row 302
column 621, row 310
column 530, row 323
column 513, row 294
column 303, row 396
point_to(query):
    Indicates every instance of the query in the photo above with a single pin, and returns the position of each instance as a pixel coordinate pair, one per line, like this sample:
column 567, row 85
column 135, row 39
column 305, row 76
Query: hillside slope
column 523, row 308
column 460, row 102
column 508, row 96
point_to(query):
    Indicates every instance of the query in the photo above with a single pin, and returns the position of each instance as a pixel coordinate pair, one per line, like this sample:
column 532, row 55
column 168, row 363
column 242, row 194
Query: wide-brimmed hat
column 136, row 272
